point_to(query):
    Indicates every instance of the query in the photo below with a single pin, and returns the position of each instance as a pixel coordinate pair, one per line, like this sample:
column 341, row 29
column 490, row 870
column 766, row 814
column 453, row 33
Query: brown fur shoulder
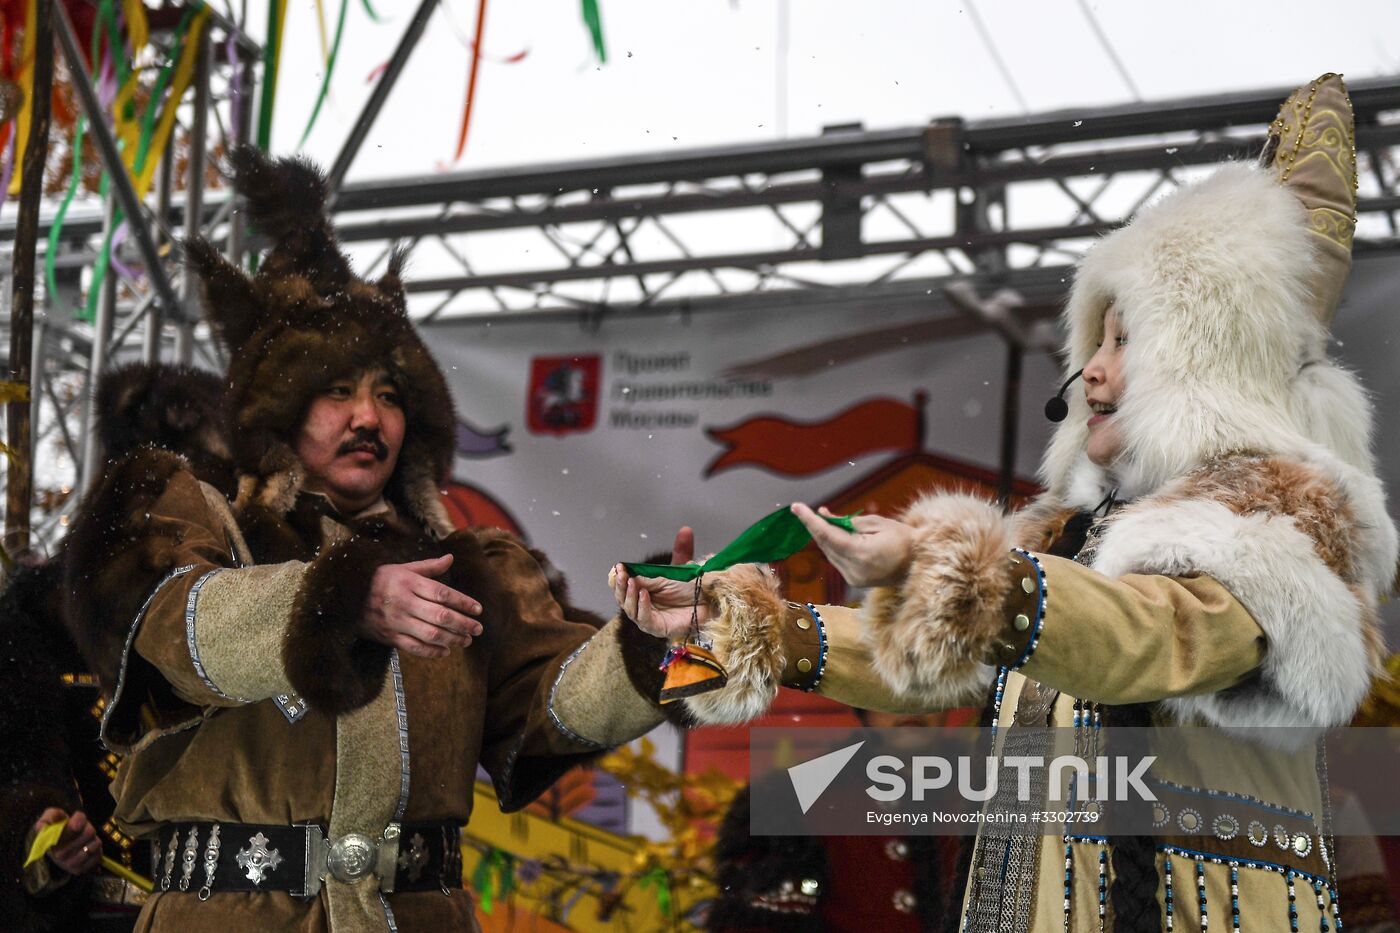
column 115, row 554
column 1276, row 486
column 1042, row 523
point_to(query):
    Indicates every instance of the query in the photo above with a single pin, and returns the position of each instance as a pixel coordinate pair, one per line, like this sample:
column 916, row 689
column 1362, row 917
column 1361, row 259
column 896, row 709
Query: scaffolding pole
column 19, row 491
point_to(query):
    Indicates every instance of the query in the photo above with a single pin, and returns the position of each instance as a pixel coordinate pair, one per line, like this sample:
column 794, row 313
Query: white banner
column 599, row 445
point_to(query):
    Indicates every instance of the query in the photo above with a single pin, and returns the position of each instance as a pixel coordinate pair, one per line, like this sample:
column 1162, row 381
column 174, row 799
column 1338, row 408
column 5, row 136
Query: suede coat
column 240, row 692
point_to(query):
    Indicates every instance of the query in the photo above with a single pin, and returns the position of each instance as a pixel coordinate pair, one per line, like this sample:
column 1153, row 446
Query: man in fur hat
column 1211, row 551
column 305, row 679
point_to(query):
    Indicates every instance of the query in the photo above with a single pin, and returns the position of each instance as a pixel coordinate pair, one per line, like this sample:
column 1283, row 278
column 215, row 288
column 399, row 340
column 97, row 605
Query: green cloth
column 777, row 535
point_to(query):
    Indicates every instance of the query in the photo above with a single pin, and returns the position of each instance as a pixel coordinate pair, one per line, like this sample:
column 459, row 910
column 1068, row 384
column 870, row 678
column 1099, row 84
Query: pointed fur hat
column 304, row 320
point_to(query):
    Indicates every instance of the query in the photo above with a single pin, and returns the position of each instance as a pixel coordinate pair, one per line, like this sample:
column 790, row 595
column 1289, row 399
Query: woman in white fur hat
column 1210, row 550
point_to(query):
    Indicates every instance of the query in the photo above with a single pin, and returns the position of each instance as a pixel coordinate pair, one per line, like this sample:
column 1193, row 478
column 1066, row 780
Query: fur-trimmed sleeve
column 971, row 600
column 762, row 640
column 160, row 606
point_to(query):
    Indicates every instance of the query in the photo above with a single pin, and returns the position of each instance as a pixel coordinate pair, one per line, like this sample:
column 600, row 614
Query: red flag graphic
column 795, row 449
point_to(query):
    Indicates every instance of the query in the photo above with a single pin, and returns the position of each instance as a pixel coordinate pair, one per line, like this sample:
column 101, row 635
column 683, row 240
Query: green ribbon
column 658, row 879
column 330, row 68
column 594, row 20
column 494, row 876
column 105, row 15
column 272, row 53
column 774, row 537
column 371, row 11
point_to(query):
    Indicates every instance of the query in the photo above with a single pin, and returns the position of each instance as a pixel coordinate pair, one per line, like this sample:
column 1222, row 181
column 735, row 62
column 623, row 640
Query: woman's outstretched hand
column 877, row 554
column 659, row 606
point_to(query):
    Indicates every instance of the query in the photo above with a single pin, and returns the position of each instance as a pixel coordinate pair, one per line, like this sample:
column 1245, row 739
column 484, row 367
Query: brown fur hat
column 304, row 320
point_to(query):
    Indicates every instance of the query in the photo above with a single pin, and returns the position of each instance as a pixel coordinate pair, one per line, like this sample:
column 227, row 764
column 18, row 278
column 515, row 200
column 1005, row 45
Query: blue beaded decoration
column 1167, row 869
column 1235, row 896
column 821, row 659
column 1292, row 904
column 1041, row 599
column 1103, row 886
column 1201, row 893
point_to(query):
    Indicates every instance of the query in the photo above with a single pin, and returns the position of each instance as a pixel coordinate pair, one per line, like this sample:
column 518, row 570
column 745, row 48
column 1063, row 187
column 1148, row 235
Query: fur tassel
column 929, row 636
column 748, row 610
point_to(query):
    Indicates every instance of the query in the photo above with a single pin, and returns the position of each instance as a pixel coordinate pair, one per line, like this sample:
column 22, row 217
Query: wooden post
column 19, row 491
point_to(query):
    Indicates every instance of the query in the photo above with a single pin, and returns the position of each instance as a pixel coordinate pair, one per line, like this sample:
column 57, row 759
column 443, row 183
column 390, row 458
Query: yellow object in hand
column 44, row 840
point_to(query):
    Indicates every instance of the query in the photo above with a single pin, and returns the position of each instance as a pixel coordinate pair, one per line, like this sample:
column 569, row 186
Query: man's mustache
column 368, row 440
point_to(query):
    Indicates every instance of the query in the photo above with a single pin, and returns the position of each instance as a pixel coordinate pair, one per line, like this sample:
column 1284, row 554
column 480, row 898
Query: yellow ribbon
column 13, row 392
column 184, row 72
column 46, row 838
column 136, row 28
column 26, row 83
column 126, row 874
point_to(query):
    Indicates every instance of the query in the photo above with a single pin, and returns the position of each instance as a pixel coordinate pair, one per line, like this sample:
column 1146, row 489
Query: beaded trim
column 1201, row 893
column 1069, row 881
column 821, row 659
column 996, row 701
column 1103, row 886
column 193, row 643
column 1234, row 895
column 1039, row 622
column 1231, row 795
column 1321, row 907
column 130, row 640
column 1246, row 863
column 401, row 708
column 570, row 734
column 1167, row 871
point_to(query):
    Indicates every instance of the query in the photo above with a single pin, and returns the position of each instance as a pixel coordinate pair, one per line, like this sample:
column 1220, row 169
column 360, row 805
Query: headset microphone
column 1057, row 409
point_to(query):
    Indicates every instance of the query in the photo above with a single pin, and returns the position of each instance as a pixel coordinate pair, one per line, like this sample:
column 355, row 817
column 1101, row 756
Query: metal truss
column 145, row 306
column 854, row 219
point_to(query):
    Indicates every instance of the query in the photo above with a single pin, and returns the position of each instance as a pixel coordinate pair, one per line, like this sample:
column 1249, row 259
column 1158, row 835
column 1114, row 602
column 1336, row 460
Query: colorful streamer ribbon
column 272, row 56
column 658, row 878
column 471, row 79
column 26, row 83
column 331, row 57
column 594, row 21
column 774, row 537
column 48, row 837
column 494, row 877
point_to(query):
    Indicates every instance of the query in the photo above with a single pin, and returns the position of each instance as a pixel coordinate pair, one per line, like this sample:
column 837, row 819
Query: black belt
column 210, row 857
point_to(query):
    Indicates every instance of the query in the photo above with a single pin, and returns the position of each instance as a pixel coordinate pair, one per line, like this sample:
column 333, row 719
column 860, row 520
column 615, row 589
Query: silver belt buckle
column 350, row 858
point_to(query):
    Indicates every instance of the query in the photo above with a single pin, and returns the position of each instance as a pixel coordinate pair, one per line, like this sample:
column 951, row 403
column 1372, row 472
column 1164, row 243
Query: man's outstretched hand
column 659, row 606
column 410, row 610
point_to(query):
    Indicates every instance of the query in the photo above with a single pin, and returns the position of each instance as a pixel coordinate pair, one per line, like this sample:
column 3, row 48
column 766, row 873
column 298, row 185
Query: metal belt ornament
column 690, row 665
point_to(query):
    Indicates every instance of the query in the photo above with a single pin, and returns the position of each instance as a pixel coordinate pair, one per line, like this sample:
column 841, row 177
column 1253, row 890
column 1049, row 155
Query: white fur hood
column 1224, row 354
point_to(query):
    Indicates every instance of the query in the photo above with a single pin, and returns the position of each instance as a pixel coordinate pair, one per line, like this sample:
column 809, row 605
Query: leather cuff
column 1021, row 611
column 803, row 648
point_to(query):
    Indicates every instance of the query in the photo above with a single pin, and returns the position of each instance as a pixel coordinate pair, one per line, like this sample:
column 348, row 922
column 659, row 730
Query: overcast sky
column 682, row 73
